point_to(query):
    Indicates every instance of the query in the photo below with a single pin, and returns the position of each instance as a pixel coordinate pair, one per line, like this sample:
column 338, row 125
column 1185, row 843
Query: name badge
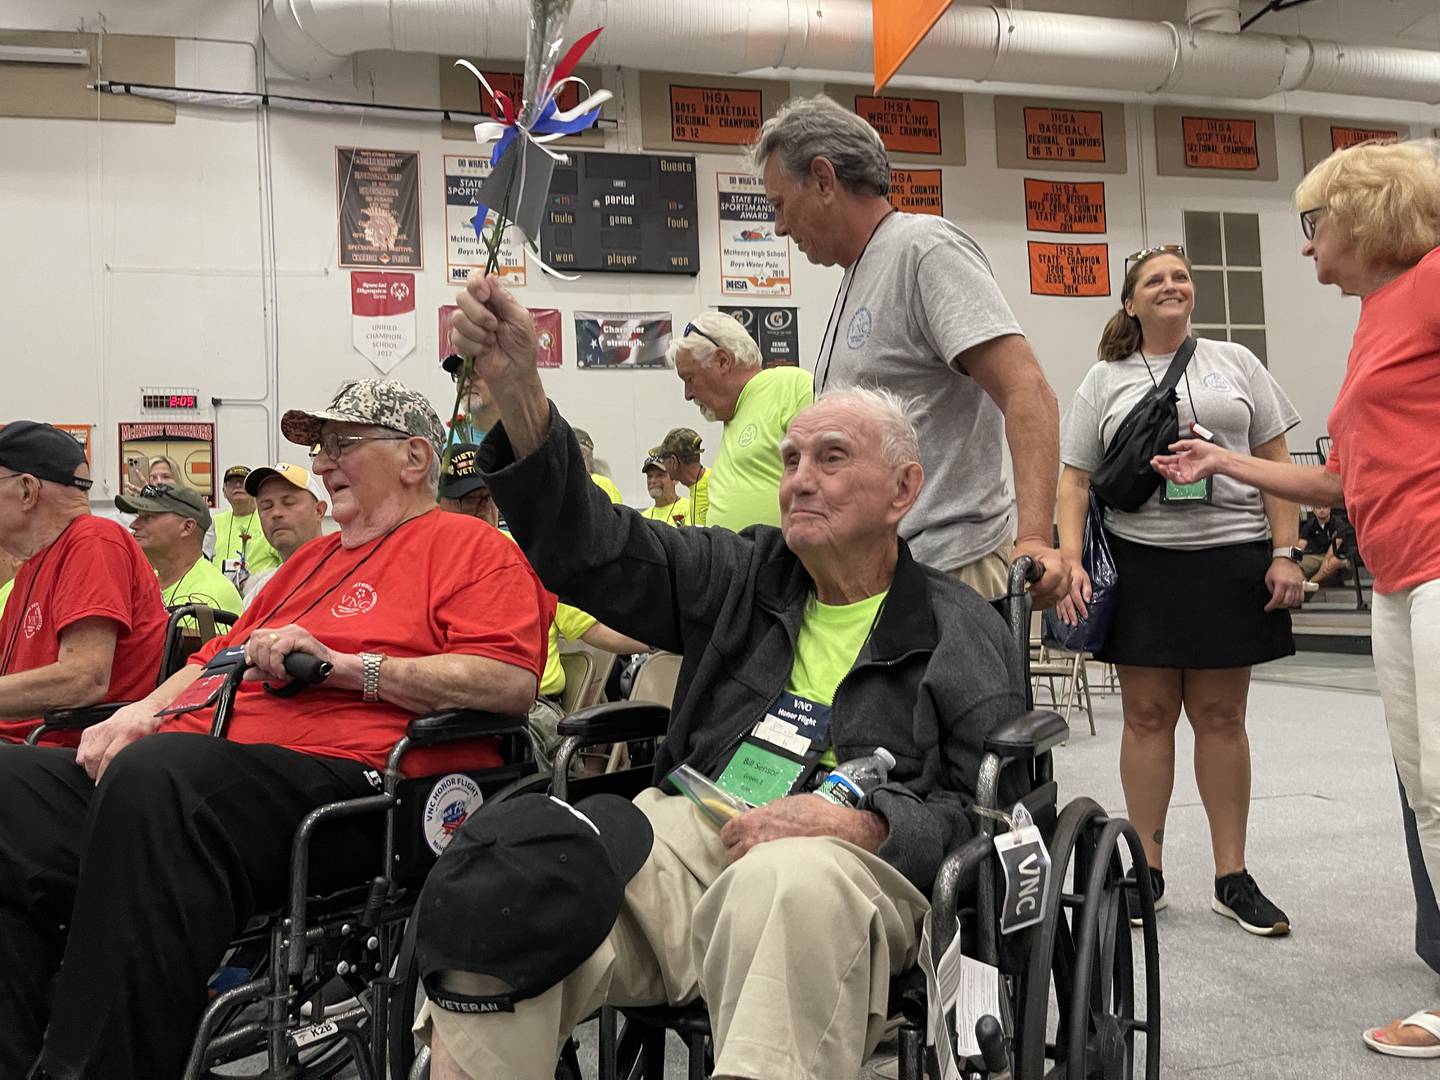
column 1175, row 494
column 760, row 773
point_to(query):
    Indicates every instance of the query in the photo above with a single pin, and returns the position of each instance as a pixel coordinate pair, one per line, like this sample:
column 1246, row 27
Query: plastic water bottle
column 849, row 783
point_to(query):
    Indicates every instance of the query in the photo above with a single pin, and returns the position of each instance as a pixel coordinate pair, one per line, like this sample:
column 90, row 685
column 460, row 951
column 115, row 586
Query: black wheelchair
column 1068, row 1003
column 305, row 989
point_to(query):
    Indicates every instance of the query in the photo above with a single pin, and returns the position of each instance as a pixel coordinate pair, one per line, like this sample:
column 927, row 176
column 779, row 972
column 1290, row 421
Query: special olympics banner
column 382, row 312
column 609, row 339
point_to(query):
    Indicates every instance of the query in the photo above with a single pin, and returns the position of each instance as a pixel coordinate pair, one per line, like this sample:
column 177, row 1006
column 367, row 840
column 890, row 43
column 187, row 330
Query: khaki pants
column 988, row 575
column 792, row 947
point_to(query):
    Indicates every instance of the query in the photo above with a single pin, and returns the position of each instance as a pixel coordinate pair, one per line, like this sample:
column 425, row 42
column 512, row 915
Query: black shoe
column 1157, row 890
column 1238, row 897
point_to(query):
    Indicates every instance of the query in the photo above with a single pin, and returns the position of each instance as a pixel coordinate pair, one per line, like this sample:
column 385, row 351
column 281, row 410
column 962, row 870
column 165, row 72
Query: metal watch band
column 370, row 675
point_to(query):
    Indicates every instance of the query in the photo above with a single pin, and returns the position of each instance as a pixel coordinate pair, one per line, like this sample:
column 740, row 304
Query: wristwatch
column 370, row 675
column 1292, row 553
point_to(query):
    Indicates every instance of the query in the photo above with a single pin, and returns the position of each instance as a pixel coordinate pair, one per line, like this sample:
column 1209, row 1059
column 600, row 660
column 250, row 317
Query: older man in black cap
column 139, row 858
column 84, row 622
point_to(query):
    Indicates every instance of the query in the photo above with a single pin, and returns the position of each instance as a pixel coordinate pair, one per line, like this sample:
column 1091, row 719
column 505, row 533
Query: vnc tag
column 1026, row 865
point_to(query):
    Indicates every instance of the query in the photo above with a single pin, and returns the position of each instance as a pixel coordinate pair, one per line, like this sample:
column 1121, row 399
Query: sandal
column 1426, row 1020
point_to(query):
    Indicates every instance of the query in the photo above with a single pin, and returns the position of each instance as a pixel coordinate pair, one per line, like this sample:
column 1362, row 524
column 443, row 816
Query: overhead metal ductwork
column 1205, row 57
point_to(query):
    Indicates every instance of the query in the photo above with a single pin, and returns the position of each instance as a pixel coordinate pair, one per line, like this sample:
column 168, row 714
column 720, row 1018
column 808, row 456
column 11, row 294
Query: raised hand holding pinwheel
column 516, row 190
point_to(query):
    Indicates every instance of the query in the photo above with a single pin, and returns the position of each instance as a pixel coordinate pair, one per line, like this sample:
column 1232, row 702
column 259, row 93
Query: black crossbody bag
column 1125, row 479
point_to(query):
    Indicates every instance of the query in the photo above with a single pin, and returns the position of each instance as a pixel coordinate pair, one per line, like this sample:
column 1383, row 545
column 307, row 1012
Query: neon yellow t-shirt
column 605, row 484
column 204, row 584
column 572, row 623
column 700, row 500
column 746, row 488
column 680, row 508
column 831, row 637
column 5, row 593
column 241, row 537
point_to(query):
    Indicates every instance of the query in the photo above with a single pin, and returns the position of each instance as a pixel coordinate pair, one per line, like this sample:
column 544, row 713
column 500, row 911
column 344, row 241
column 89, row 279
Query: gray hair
column 894, row 415
column 727, row 333
column 808, row 128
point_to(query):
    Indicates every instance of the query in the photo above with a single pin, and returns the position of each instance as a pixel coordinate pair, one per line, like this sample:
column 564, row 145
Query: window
column 1224, row 250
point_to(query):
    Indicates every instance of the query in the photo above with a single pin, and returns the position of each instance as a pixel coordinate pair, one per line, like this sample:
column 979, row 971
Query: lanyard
column 343, row 577
column 1146, row 360
column 174, row 589
column 838, row 311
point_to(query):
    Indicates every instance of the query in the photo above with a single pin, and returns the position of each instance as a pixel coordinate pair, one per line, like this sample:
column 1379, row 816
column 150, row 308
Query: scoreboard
column 622, row 213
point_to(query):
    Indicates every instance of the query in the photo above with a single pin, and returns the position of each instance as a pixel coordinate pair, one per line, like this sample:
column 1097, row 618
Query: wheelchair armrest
column 1027, row 735
column 456, row 725
column 616, row 721
column 82, row 717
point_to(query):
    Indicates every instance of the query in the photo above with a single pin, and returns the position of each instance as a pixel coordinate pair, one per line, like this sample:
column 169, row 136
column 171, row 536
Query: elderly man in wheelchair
column 803, row 647
column 137, row 859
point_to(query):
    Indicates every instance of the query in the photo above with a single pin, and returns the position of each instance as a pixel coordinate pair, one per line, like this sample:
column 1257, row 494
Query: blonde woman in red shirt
column 1371, row 218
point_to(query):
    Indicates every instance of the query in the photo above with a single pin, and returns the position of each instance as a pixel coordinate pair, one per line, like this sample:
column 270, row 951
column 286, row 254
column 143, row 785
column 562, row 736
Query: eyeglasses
column 691, row 328
column 156, row 491
column 1307, row 221
column 334, row 444
column 1159, row 249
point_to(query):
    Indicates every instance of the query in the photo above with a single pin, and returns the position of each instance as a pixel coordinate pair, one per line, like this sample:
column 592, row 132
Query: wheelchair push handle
column 307, row 669
column 1024, row 571
column 991, row 1040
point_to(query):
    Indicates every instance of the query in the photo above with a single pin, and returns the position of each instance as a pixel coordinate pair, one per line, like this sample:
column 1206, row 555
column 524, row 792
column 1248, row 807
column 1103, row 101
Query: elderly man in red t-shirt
column 139, row 857
column 84, row 622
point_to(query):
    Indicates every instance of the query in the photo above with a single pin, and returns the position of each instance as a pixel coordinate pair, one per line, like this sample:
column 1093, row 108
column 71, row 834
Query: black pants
column 139, row 884
column 1427, row 914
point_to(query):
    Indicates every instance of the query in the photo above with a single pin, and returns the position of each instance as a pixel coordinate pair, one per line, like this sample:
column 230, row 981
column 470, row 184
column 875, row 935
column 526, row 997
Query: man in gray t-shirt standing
column 919, row 313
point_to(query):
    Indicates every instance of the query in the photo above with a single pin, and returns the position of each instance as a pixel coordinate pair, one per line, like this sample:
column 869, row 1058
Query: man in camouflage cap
column 385, row 403
column 415, row 610
column 679, row 452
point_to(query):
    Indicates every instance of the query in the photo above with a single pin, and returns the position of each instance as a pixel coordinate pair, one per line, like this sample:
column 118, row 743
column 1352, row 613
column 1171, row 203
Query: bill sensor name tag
column 1175, row 494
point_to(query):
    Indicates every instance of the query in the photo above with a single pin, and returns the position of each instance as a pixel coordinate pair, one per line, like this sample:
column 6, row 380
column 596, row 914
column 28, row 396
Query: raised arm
column 644, row 579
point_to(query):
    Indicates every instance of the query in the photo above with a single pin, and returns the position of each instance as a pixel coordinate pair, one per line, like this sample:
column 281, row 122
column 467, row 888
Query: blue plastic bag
column 1089, row 634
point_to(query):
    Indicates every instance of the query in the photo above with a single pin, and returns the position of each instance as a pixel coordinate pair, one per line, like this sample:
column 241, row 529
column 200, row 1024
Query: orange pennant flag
column 897, row 26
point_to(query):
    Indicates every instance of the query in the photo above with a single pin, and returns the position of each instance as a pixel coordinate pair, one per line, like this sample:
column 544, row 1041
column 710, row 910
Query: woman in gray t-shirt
column 1205, row 574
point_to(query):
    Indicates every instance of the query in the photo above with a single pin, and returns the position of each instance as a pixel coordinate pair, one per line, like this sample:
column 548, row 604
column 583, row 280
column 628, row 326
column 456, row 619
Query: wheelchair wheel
column 1081, row 965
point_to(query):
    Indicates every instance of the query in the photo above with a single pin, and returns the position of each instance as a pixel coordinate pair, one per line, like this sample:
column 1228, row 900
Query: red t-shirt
column 1383, row 428
column 94, row 568
column 439, row 583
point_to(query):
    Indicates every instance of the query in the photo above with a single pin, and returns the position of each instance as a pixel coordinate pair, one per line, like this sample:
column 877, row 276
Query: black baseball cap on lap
column 461, row 476
column 526, row 891
column 166, row 499
column 41, row 450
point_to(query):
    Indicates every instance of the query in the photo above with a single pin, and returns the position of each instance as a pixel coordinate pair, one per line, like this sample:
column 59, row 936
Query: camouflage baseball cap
column 683, row 442
column 583, row 438
column 385, row 403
